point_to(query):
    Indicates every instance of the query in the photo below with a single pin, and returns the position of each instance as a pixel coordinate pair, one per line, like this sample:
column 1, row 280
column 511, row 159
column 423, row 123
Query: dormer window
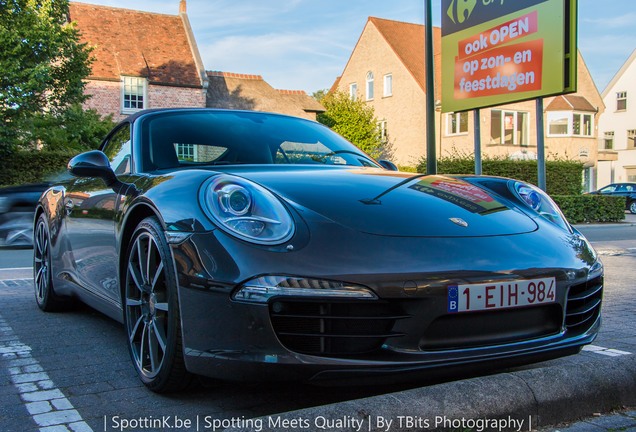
column 133, row 94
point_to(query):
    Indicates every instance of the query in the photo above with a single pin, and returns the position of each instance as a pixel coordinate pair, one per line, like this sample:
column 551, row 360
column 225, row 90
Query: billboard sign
column 496, row 52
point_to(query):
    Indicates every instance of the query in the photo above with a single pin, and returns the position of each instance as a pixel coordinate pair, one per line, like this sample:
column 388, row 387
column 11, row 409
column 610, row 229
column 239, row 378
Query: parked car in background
column 17, row 205
column 627, row 190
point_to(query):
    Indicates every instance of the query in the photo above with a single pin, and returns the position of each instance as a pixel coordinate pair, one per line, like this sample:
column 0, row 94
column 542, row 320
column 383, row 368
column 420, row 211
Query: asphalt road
column 73, row 368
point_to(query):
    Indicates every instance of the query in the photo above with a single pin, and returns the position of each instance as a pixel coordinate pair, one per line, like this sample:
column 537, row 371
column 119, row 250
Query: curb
column 539, row 397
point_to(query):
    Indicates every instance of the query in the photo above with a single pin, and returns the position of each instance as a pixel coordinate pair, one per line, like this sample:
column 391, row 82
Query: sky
column 305, row 44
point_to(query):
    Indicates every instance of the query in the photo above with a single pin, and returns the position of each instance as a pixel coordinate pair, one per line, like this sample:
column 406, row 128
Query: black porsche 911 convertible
column 245, row 245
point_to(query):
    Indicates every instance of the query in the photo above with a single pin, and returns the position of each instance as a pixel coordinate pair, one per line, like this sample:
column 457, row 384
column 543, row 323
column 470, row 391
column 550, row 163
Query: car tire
column 45, row 295
column 632, row 207
column 151, row 310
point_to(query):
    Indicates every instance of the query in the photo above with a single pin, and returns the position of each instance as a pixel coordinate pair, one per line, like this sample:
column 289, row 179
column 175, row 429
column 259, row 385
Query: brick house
column 252, row 92
column 141, row 59
column 386, row 69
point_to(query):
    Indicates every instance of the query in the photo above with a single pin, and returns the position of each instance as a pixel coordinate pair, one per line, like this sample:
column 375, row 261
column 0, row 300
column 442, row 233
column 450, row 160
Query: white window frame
column 571, row 115
column 449, row 123
column 608, row 140
column 621, row 97
column 582, row 115
column 130, row 83
column 353, row 91
column 384, row 136
column 515, row 130
column 388, row 85
column 370, row 86
column 190, row 149
column 559, row 115
column 631, row 139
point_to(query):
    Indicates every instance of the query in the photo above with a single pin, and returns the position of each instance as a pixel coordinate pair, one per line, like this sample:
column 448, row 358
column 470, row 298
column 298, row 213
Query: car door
column 91, row 209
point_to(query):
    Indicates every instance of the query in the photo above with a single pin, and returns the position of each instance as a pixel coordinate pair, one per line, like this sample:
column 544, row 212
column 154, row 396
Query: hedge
column 562, row 177
column 591, row 208
column 32, row 166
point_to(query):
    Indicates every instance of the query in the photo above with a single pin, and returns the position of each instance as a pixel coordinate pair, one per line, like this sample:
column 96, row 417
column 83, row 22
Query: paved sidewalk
column 622, row 421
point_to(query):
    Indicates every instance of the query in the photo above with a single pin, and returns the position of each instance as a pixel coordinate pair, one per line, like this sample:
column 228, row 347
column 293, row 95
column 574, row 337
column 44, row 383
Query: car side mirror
column 92, row 164
column 388, row 165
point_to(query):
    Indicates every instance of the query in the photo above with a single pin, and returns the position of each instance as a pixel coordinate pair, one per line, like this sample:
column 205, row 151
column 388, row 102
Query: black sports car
column 245, row 245
column 627, row 190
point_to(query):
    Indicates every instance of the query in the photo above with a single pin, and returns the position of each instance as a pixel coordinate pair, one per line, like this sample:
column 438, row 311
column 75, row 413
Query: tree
column 42, row 64
column 74, row 130
column 354, row 120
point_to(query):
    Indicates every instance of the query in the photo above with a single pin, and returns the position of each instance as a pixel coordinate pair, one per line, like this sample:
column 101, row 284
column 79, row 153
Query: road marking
column 48, row 406
column 605, row 351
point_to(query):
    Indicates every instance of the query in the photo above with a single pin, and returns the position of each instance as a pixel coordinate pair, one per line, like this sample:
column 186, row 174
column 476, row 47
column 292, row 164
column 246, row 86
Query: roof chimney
column 182, row 6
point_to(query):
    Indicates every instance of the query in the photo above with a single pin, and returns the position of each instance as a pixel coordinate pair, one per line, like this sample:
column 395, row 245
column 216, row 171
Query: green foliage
column 319, row 95
column 591, row 208
column 73, row 130
column 42, row 62
column 562, row 177
column 354, row 120
column 23, row 167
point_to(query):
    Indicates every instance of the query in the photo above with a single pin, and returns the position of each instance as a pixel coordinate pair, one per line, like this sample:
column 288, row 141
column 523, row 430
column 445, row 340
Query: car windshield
column 199, row 138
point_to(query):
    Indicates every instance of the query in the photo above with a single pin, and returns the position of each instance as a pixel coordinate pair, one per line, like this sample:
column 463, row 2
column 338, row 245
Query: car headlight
column 248, row 211
column 541, row 203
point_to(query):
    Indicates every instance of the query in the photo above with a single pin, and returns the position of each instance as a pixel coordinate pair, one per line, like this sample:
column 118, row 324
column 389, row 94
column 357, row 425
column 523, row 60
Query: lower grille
column 332, row 328
column 584, row 304
column 471, row 330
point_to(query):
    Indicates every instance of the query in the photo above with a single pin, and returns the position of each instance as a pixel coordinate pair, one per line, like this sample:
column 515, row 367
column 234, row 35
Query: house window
column 631, row 174
column 186, row 152
column 631, row 139
column 509, row 127
column 566, row 123
column 621, row 101
column 558, row 123
column 133, row 94
column 608, row 140
column 384, row 135
column 582, row 124
column 388, row 85
column 457, row 123
column 369, row 85
column 353, row 91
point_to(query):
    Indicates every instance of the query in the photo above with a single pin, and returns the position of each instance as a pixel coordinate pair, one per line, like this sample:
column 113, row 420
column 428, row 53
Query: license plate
column 501, row 295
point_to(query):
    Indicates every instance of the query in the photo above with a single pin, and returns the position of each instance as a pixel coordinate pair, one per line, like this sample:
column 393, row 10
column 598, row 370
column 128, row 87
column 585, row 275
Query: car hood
column 389, row 203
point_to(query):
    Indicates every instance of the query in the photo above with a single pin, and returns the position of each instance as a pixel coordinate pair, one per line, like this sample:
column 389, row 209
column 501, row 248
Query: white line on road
column 605, row 351
column 46, row 404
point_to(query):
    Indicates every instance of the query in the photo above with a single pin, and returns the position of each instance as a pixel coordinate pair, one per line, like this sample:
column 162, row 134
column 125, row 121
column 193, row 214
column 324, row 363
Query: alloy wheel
column 41, row 262
column 147, row 306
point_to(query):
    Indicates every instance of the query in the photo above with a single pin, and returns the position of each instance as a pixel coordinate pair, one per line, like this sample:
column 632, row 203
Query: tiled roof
column 302, row 99
column 570, row 103
column 407, row 41
column 135, row 43
column 251, row 92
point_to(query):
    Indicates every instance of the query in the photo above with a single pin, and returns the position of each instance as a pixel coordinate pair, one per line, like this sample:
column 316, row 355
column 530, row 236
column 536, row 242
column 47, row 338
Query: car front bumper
column 406, row 330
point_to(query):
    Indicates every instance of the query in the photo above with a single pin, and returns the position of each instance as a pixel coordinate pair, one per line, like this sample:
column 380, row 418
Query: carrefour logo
column 460, row 10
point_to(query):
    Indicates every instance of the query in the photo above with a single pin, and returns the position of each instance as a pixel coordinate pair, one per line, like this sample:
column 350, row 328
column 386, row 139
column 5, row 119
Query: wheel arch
column 134, row 216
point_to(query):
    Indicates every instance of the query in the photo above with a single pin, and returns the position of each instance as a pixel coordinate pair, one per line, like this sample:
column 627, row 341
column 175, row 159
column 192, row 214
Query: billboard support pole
column 431, row 156
column 541, row 180
column 476, row 120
